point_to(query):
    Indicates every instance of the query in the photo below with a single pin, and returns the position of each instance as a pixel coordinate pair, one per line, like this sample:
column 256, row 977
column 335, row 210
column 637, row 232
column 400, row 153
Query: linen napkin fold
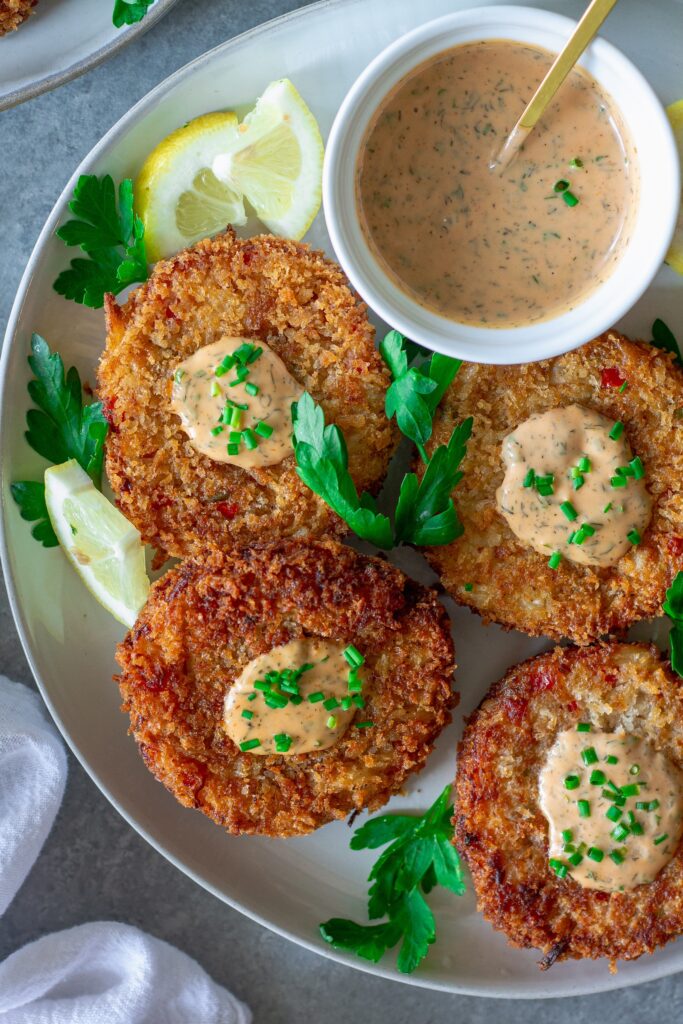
column 99, row 973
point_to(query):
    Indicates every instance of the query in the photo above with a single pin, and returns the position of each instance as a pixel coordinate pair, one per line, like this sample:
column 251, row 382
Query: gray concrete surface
column 93, row 865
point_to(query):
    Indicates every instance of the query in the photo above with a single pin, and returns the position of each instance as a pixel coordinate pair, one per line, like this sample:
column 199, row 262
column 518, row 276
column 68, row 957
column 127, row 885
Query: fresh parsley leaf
column 30, row 497
column 420, row 856
column 425, row 513
column 127, row 12
column 415, row 392
column 673, row 607
column 322, row 464
column 662, row 337
column 112, row 237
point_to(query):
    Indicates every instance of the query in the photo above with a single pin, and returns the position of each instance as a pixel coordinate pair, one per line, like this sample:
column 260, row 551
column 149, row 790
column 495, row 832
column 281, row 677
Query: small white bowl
column 659, row 189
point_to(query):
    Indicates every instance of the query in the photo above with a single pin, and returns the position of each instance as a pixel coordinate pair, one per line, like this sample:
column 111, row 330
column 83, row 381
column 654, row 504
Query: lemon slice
column 674, row 257
column 177, row 195
column 275, row 160
column 104, row 548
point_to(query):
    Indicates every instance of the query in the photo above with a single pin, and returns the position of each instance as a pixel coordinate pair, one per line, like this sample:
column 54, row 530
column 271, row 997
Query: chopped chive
column 241, row 354
column 569, row 198
column 554, row 560
column 248, row 715
column 584, row 465
column 613, row 813
column 619, row 833
column 611, row 759
column 314, row 698
column 567, row 835
column 217, row 430
column 235, row 437
column 215, row 389
column 575, row 859
column 252, row 696
column 561, row 185
column 249, row 439
column 282, row 742
column 331, row 722
column 330, row 703
column 571, row 781
column 633, row 536
column 578, row 482
column 529, row 478
column 296, row 700
column 595, row 853
column 588, row 755
column 576, row 162
column 468, row 587
column 364, row 725
column 660, row 839
column 251, row 389
column 233, row 449
column 355, row 683
column 623, row 387
column 583, row 727
column 633, row 789
column 637, row 829
column 558, row 866
column 607, row 507
column 617, row 430
column 568, row 848
column 353, row 656
column 235, row 417
column 647, row 805
column 346, row 703
column 597, row 777
column 569, row 510
column 637, row 467
column 634, row 769
column 617, row 856
column 619, row 481
column 220, row 371
column 572, row 537
column 584, row 808
column 250, row 745
column 254, row 354
column 263, row 429
column 358, row 700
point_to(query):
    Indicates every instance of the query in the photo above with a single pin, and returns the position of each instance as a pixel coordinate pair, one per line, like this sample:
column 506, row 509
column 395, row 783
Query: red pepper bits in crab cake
column 569, row 798
column 200, row 370
column 287, row 686
column 573, row 509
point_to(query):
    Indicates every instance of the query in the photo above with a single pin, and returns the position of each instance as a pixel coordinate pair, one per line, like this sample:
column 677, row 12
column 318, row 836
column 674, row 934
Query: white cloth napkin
column 100, row 973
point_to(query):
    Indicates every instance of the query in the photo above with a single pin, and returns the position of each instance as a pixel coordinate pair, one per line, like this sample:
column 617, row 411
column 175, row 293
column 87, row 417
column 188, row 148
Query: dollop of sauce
column 313, row 723
column 573, row 488
column 614, row 806
column 495, row 249
column 234, row 400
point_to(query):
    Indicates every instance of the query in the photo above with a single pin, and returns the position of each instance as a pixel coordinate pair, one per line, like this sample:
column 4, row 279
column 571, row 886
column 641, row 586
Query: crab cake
column 217, row 674
column 569, row 803
column 182, row 468
column 13, row 13
column 572, row 498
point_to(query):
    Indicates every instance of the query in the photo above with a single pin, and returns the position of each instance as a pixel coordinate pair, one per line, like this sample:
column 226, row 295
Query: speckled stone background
column 94, row 866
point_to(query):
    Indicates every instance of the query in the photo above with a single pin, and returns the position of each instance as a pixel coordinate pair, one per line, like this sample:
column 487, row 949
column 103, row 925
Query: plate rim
column 80, row 67
column 610, row 982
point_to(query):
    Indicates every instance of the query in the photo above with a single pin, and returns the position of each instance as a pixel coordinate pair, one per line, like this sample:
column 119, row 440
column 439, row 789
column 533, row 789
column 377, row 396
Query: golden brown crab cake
column 503, row 833
column 13, row 13
column 206, row 622
column 264, row 289
column 505, row 579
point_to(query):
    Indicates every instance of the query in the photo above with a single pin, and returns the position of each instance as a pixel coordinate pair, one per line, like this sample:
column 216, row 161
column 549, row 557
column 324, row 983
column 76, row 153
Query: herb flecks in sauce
column 618, row 822
column 330, row 692
column 483, row 247
column 591, row 502
column 259, row 394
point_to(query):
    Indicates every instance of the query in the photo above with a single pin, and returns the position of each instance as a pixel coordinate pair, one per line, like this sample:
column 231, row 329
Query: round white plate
column 292, row 885
column 61, row 40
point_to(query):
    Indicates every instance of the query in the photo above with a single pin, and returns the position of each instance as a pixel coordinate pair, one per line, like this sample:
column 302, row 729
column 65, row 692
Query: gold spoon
column 587, row 28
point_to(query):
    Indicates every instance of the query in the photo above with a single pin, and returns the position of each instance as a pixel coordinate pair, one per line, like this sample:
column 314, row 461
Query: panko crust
column 501, row 831
column 13, row 13
column 512, row 583
column 204, row 623
column 299, row 303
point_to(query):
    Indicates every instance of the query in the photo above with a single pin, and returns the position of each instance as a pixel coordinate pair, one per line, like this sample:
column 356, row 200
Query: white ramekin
column 658, row 202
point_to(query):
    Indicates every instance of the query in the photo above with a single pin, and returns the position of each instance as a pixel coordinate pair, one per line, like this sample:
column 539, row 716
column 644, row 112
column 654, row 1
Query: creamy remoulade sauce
column 200, row 396
column 554, row 443
column 491, row 248
column 650, row 812
column 310, row 726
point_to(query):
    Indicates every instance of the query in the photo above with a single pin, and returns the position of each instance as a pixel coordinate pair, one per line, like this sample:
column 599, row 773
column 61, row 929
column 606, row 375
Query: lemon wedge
column 275, row 160
column 177, row 195
column 104, row 548
column 674, row 257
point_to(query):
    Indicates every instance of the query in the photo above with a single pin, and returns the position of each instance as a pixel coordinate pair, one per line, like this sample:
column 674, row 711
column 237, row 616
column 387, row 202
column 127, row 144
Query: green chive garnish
column 637, row 467
column 576, row 162
column 588, row 755
column 634, row 769
column 584, row 808
column 331, row 722
column 607, row 507
column 248, row 715
column 633, row 536
column 233, row 449
column 575, row 859
column 597, row 777
column 215, row 389
column 584, row 465
column 558, row 866
column 250, row 745
column 617, row 430
column 567, row 835
column 529, row 478
column 364, row 725
column 571, row 781
column 613, row 813
column 595, row 853
column 263, row 429
column 561, row 185
column 578, row 482
column 282, row 742
column 330, row 704
column 217, row 430
column 249, row 439
column 554, row 560
column 314, row 698
column 346, row 703
column 353, row 656
column 611, row 759
column 569, row 510
column 633, row 789
column 619, row 833
column 251, row 389
column 617, row 856
column 583, row 727
column 660, row 839
column 569, row 198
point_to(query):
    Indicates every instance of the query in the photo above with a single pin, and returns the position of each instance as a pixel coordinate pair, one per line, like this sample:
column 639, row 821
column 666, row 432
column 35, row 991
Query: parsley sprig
column 127, row 12
column 60, row 428
column 663, row 338
column 112, row 237
column 425, row 513
column 421, row 856
column 673, row 608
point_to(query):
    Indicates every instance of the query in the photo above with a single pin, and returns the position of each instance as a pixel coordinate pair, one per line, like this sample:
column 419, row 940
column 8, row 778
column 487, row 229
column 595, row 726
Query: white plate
column 61, row 40
column 290, row 886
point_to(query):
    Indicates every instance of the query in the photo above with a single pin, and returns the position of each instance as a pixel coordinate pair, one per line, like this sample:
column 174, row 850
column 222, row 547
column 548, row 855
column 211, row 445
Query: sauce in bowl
column 491, row 248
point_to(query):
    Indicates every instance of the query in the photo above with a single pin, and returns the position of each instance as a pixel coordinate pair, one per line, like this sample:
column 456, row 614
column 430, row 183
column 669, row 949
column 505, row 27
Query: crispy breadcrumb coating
column 501, row 831
column 204, row 623
column 299, row 303
column 512, row 583
column 13, row 13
